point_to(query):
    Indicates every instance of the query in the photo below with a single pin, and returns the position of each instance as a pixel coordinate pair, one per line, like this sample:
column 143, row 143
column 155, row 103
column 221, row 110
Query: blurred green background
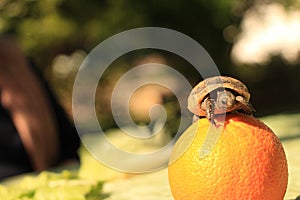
column 254, row 41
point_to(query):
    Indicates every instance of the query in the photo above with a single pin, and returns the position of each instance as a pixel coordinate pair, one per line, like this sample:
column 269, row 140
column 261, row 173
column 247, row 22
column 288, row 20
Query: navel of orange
column 247, row 162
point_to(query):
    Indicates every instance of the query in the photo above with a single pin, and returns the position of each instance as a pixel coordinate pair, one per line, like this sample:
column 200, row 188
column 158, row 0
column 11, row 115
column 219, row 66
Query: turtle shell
column 201, row 90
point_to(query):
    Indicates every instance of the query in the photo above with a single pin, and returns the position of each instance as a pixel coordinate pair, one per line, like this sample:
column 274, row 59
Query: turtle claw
column 195, row 118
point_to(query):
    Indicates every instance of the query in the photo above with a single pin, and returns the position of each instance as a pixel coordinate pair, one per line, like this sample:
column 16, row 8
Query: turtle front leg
column 246, row 107
column 210, row 109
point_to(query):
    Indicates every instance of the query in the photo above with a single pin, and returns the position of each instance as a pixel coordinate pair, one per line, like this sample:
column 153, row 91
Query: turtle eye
column 224, row 101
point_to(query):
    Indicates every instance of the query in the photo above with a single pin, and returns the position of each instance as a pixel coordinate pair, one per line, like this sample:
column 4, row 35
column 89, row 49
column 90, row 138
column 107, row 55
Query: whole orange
column 247, row 162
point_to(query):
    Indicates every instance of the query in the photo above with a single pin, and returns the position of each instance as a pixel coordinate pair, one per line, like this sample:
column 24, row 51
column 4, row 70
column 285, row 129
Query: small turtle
column 219, row 95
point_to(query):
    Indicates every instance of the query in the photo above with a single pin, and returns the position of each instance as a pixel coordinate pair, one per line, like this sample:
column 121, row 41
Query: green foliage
column 48, row 185
column 45, row 28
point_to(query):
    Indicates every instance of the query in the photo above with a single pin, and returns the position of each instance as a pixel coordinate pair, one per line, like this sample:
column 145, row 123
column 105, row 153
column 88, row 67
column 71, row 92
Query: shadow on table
column 289, row 137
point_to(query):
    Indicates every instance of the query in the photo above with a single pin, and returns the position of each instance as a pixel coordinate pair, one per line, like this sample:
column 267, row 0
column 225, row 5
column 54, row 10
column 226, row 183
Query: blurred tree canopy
column 46, row 28
column 49, row 28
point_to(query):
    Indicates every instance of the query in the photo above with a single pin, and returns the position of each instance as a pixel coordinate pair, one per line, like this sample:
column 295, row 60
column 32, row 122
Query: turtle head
column 225, row 101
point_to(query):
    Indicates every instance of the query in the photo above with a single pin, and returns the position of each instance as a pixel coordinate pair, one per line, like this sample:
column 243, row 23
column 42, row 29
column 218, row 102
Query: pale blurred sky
column 266, row 30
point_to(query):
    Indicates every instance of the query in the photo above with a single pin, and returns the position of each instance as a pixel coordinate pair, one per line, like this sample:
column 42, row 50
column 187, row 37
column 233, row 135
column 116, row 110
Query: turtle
column 219, row 95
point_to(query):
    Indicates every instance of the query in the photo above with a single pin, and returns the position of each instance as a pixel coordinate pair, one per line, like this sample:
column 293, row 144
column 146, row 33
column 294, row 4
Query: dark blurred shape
column 35, row 132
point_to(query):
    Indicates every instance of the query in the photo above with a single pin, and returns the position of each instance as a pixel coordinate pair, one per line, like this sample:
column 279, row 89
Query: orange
column 247, row 162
